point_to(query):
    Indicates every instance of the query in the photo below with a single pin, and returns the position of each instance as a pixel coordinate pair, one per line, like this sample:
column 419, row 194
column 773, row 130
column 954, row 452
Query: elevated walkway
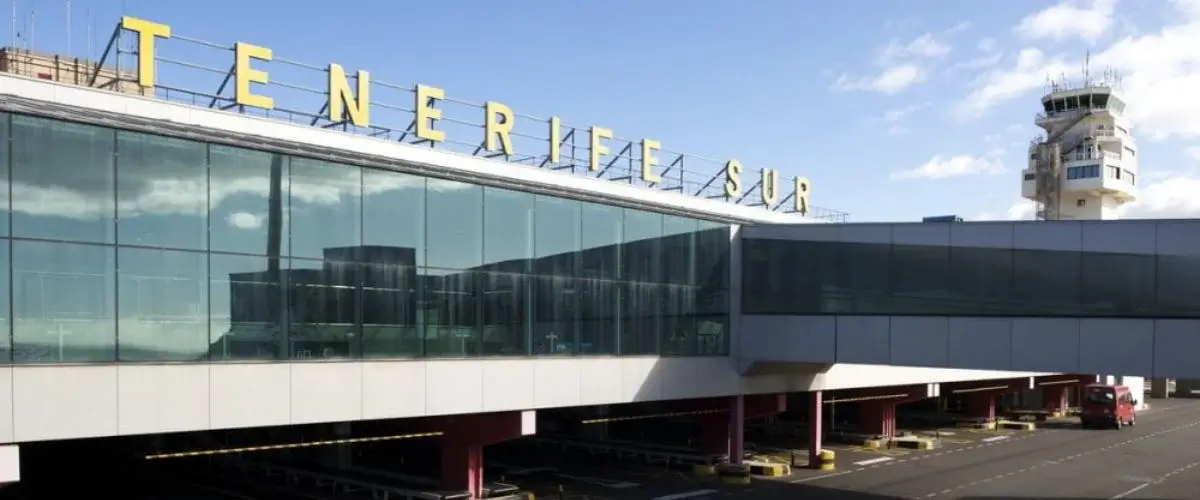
column 1108, row 297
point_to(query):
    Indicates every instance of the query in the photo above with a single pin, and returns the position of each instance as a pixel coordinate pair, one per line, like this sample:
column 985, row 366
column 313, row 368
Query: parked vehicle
column 1107, row 406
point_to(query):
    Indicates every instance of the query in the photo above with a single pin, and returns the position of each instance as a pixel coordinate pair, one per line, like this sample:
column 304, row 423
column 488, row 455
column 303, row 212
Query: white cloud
column 890, row 81
column 904, row 65
column 942, row 167
column 1068, row 20
column 957, row 28
column 245, row 220
column 1160, row 71
column 895, row 115
column 922, row 47
column 896, row 130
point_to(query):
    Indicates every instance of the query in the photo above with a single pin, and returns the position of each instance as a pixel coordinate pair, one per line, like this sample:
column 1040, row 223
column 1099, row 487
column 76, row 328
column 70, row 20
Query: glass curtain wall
column 141, row 248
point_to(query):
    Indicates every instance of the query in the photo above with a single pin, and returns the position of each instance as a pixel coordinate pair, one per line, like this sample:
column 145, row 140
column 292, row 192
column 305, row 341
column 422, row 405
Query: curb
column 1019, row 426
column 916, row 443
column 733, row 474
column 769, row 470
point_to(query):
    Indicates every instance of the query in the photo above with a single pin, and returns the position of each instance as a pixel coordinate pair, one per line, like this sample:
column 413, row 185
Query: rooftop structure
column 1085, row 166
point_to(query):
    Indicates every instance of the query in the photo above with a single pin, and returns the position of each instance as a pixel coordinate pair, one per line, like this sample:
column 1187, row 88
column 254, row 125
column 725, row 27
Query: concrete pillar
column 815, row 427
column 462, row 467
column 981, row 405
column 1158, row 388
column 1054, row 398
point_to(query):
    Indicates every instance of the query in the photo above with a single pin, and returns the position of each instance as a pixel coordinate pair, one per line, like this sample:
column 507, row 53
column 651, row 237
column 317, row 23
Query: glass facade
column 133, row 247
column 812, row 277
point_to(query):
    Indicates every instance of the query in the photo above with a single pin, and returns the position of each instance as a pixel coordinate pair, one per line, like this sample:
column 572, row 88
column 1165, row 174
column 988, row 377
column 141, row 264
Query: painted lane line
column 1130, row 492
column 874, row 461
column 994, row 439
column 686, row 494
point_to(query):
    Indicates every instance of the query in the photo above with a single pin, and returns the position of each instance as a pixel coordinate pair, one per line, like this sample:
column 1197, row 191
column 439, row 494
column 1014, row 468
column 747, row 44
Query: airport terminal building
column 182, row 261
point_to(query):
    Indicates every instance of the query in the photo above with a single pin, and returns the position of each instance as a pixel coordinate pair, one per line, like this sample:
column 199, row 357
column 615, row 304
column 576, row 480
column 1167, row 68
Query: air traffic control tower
column 1085, row 166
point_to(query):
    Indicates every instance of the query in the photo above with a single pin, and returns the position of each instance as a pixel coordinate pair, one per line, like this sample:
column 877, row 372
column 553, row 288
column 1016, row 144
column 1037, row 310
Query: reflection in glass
column 62, row 180
column 390, row 300
column 451, row 312
column 601, row 239
column 394, row 211
column 1046, row 282
column 599, row 316
column 6, row 354
column 678, row 333
column 508, row 230
column 454, row 225
column 507, row 313
column 556, row 316
column 246, row 300
column 63, row 302
column 980, row 280
column 248, row 191
column 162, row 305
column 641, row 317
column 1176, row 278
column 1127, row 286
column 557, row 236
column 641, row 250
column 322, row 307
column 5, row 118
column 162, row 191
column 324, row 207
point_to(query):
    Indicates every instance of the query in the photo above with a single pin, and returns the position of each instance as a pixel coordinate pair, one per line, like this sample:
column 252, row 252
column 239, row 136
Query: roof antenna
column 1087, row 62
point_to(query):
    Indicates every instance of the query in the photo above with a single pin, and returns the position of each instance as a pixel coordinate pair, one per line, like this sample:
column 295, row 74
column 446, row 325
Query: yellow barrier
column 826, row 460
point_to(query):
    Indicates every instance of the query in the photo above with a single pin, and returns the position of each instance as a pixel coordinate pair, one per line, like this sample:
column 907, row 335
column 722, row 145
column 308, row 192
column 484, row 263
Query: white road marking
column 686, row 494
column 1130, row 492
column 874, row 461
column 994, row 439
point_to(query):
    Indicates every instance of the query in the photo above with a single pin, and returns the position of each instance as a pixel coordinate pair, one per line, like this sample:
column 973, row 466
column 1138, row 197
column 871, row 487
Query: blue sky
column 895, row 112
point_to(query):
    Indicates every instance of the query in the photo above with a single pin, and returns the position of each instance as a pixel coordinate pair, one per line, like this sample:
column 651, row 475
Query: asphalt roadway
column 1157, row 459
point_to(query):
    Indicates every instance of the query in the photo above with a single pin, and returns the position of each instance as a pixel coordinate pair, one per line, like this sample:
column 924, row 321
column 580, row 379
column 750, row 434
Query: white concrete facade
column 67, row 401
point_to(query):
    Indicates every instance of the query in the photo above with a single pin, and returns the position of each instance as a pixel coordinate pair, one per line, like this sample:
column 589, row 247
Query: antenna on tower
column 1087, row 62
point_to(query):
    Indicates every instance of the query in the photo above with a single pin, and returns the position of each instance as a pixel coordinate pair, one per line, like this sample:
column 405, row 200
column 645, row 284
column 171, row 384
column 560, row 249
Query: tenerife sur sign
column 353, row 105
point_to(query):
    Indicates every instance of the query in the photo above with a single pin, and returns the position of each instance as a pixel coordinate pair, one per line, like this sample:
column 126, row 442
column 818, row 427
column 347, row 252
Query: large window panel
column 678, row 332
column 452, row 313
column 454, row 225
column 246, row 299
column 1046, row 282
column 394, row 212
column 247, row 201
column 641, row 308
column 5, row 120
column 980, row 281
column 162, row 305
column 324, row 208
column 62, row 180
column 1117, row 284
column 599, row 316
column 712, row 256
column 323, row 301
column 601, row 239
column 920, row 276
column 557, row 236
column 1177, row 280
column 679, row 250
column 712, row 295
column 162, row 191
column 863, row 275
column 556, row 324
column 507, row 318
column 6, row 323
column 390, row 301
column 64, row 302
column 641, row 247
column 787, row 277
column 508, row 230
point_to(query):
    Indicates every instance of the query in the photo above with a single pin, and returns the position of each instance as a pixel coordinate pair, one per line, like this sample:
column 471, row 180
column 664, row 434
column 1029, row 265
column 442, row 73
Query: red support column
column 815, row 428
column 462, row 467
column 737, row 424
column 877, row 418
column 715, row 433
column 1054, row 398
column 981, row 405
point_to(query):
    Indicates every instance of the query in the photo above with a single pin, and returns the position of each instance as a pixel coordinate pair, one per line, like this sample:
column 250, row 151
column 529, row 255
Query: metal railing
column 199, row 73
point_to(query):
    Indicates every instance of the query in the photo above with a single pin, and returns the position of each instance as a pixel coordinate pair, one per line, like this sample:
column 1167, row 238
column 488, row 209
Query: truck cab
column 1107, row 406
